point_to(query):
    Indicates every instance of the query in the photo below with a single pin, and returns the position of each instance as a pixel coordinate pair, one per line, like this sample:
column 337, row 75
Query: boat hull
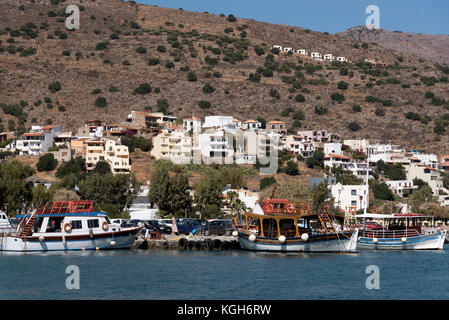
column 425, row 242
column 334, row 242
column 123, row 239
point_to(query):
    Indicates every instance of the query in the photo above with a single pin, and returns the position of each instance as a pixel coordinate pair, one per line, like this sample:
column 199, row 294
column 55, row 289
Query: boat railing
column 390, row 233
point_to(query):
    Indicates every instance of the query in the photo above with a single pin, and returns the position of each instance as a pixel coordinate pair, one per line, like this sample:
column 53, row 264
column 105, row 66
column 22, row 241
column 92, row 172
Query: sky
column 417, row 16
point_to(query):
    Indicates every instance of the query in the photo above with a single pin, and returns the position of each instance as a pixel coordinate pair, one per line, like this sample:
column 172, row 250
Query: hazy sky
column 419, row 16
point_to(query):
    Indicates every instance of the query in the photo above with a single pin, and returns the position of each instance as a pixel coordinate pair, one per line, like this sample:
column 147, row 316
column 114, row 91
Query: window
column 93, row 223
column 353, row 192
column 353, row 203
column 76, row 224
column 270, row 228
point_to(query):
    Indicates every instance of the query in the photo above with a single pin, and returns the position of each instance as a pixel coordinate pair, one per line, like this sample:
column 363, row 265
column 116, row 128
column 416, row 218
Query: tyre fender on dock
column 191, row 244
column 182, row 243
column 218, row 245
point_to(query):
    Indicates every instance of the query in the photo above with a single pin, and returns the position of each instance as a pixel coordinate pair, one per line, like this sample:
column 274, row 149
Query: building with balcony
column 38, row 140
column 426, row 174
column 175, row 145
column 192, row 124
column 112, row 152
column 319, row 136
column 277, row 126
column 220, row 123
column 252, row 125
column 401, row 187
column 299, row 146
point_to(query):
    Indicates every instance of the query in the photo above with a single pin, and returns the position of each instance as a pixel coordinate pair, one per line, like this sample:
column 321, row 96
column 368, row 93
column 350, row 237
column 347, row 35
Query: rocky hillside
column 202, row 64
column 426, row 46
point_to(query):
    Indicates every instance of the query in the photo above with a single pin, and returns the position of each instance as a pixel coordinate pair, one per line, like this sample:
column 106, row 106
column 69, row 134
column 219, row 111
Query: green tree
column 316, row 160
column 266, row 182
column 47, row 162
column 102, row 167
column 419, row 197
column 15, row 193
column 180, row 199
column 208, row 195
column 382, row 192
column 159, row 189
column 291, row 169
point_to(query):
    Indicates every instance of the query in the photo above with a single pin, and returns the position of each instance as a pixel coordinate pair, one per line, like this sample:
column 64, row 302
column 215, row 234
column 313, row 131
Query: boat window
column 270, row 228
column 76, row 224
column 93, row 223
column 287, row 227
column 38, row 224
column 54, row 224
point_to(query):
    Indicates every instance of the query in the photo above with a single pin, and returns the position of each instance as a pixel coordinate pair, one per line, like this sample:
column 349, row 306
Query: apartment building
column 140, row 119
column 319, row 136
column 192, row 124
column 278, row 126
column 115, row 154
column 299, row 146
column 359, row 169
column 226, row 123
column 38, row 140
column 360, row 145
column 174, row 144
column 401, row 187
column 427, row 174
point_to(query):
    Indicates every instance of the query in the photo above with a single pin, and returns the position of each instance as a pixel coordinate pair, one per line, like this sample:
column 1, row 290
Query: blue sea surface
column 196, row 275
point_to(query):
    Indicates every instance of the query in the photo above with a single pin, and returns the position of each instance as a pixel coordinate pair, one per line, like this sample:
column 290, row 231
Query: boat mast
column 365, row 209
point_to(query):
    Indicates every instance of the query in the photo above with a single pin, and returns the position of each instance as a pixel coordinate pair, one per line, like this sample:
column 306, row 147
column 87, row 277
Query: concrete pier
column 182, row 242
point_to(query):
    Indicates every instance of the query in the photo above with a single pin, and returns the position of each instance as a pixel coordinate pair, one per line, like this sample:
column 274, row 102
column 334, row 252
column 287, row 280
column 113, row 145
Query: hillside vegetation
column 136, row 57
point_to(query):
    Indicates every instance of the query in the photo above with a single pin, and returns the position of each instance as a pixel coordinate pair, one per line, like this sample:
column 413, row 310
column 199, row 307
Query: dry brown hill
column 171, row 42
column 427, row 46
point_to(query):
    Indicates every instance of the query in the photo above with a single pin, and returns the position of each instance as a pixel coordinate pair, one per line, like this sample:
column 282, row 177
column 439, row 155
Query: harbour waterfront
column 192, row 275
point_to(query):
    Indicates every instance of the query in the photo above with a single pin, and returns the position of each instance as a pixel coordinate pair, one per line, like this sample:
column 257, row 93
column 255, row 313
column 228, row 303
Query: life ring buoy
column 67, row 227
column 326, row 207
column 290, row 208
column 373, row 210
column 353, row 210
column 105, row 226
column 268, row 208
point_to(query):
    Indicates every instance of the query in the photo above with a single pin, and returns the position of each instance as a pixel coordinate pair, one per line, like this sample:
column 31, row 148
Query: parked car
column 186, row 226
column 130, row 223
column 168, row 222
column 157, row 225
column 218, row 226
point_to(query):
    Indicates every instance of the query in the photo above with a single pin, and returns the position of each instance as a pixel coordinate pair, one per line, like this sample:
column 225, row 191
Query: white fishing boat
column 67, row 225
column 400, row 232
column 5, row 223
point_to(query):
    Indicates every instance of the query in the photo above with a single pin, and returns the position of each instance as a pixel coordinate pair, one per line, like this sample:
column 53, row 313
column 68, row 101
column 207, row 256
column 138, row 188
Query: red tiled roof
column 336, row 156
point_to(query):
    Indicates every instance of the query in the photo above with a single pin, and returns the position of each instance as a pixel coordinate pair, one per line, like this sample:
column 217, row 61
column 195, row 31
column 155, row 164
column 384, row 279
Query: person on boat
column 175, row 226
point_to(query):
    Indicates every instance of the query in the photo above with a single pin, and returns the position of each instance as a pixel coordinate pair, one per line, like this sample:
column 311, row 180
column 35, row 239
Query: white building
column 298, row 145
column 316, row 56
column 175, row 145
column 360, row 145
column 287, row 50
column 38, row 140
column 347, row 164
column 217, row 144
column 192, row 124
column 277, row 47
column 342, row 59
column 219, row 123
column 302, row 52
column 328, row 57
column 249, row 198
column 349, row 196
column 333, row 148
column 430, row 160
column 252, row 125
column 401, row 186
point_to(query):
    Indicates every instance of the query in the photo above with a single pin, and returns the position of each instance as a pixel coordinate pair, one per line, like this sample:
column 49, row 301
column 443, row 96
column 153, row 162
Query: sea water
column 142, row 274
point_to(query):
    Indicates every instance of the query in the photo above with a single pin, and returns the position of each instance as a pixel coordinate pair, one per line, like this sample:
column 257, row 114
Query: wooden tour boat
column 295, row 227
